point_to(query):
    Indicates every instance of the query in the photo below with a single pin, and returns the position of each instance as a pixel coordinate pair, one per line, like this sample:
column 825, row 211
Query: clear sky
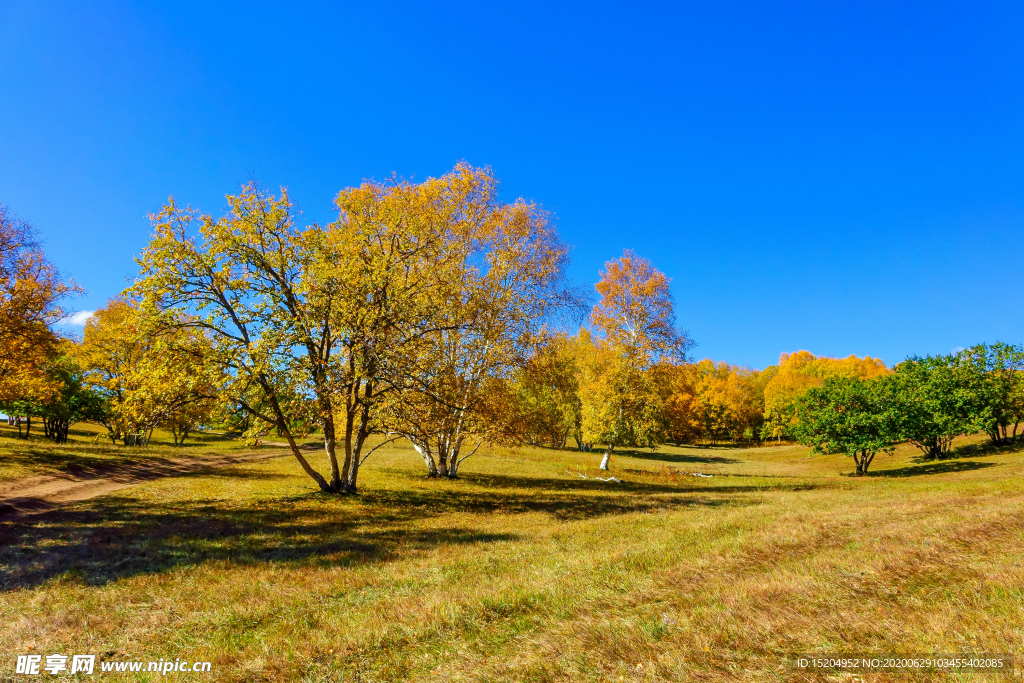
column 841, row 177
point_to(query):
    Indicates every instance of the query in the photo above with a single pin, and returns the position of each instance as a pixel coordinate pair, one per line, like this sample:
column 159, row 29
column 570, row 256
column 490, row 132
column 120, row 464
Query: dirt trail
column 30, row 495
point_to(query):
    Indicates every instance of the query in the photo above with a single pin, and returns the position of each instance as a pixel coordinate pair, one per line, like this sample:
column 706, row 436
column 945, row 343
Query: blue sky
column 842, row 177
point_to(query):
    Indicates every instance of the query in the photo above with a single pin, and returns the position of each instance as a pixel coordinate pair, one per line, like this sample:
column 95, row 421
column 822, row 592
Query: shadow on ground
column 84, row 462
column 114, row 537
column 942, row 467
column 663, row 456
column 984, row 448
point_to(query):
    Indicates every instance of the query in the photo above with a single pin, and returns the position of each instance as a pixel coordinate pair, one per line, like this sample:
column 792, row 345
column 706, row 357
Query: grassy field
column 523, row 571
column 88, row 448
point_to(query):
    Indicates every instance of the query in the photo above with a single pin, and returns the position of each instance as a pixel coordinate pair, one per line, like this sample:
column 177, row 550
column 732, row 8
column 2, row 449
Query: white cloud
column 79, row 318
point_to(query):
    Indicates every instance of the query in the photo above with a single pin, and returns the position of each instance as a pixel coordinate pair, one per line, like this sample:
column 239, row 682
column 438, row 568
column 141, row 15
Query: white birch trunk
column 427, row 458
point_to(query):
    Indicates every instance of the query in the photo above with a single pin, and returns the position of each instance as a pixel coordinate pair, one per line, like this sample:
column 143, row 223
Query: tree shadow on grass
column 45, row 458
column 562, row 499
column 130, row 467
column 629, row 485
column 670, row 457
column 942, row 467
column 114, row 537
column 984, row 448
column 107, row 543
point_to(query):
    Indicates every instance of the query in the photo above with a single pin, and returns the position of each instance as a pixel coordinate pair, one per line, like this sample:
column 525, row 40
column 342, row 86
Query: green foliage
column 934, row 400
column 71, row 400
column 996, row 377
column 794, row 375
column 851, row 416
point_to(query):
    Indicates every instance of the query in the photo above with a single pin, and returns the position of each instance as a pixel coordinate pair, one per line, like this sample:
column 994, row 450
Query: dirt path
column 30, row 495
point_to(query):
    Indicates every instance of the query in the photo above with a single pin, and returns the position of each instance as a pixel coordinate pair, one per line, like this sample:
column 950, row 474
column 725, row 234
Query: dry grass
column 523, row 571
column 88, row 448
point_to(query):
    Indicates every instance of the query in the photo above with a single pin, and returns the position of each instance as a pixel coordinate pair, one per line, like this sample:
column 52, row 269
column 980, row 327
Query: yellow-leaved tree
column 546, row 392
column 149, row 375
column 509, row 282
column 333, row 325
column 713, row 402
column 636, row 325
column 31, row 291
column 304, row 323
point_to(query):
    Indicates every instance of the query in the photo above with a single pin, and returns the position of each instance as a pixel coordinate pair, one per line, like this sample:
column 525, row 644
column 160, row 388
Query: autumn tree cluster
column 399, row 319
column 437, row 314
column 39, row 376
column 122, row 374
column 626, row 380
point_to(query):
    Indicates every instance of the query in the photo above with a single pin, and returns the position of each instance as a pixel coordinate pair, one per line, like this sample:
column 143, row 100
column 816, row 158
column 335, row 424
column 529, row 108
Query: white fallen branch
column 615, row 479
column 698, row 474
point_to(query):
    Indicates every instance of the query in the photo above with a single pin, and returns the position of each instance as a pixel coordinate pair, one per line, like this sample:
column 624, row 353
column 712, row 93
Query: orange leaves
column 636, row 312
column 710, row 401
column 31, row 289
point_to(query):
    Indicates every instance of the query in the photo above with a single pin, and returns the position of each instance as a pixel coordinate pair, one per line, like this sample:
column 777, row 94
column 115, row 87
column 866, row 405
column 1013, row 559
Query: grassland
column 523, row 571
column 89, row 449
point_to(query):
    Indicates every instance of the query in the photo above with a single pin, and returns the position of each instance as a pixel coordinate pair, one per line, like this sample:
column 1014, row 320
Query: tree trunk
column 283, row 425
column 428, row 458
column 330, row 446
column 350, row 485
column 865, row 461
column 453, row 458
column 607, row 456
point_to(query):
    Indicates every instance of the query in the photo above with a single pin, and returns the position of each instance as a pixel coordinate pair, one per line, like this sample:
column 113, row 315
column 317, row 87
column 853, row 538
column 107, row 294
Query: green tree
column 850, row 416
column 70, row 400
column 934, row 402
column 996, row 376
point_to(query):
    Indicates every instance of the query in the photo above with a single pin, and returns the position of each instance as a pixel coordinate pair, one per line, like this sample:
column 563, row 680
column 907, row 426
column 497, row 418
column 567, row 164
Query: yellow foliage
column 30, row 292
column 796, row 373
column 150, row 377
column 636, row 312
column 709, row 401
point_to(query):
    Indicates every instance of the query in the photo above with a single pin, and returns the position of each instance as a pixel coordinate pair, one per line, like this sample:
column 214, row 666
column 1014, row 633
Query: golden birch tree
column 510, row 279
column 636, row 321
